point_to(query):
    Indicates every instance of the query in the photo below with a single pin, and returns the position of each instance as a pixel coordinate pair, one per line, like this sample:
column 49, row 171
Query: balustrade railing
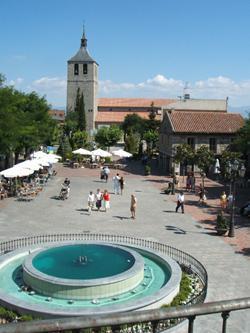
column 153, row 319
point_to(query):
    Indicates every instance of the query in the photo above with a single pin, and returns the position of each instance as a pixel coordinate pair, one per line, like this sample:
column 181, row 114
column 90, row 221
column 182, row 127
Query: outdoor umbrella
column 16, row 172
column 82, row 151
column 101, row 153
column 121, row 153
column 30, row 164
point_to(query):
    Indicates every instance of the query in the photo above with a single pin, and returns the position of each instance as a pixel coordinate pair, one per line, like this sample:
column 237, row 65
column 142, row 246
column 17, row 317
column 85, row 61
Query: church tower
column 83, row 74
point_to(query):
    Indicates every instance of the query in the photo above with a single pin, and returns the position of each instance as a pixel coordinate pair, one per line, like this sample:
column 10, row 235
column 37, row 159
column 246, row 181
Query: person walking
column 122, row 183
column 106, row 200
column 116, row 182
column 91, row 201
column 133, row 205
column 98, row 198
column 106, row 173
column 180, row 202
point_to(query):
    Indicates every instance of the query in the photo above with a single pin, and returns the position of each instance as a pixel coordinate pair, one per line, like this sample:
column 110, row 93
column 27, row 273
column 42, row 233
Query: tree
column 81, row 114
column 79, row 139
column 132, row 143
column 242, row 140
column 65, row 148
column 151, row 137
column 204, row 159
column 108, row 136
column 184, row 154
column 227, row 157
column 132, row 123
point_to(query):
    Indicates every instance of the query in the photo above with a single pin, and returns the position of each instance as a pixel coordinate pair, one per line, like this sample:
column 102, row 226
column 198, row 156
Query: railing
column 185, row 260
column 142, row 321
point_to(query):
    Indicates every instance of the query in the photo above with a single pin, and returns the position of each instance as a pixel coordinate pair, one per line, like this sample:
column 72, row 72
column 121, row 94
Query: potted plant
column 221, row 224
column 147, row 170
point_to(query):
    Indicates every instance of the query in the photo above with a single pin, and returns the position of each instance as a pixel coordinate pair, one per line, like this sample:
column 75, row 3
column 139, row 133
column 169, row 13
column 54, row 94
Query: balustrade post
column 225, row 316
column 154, row 325
column 191, row 324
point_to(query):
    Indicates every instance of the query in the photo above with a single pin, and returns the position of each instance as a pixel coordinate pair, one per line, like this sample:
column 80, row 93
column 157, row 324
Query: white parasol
column 101, row 153
column 30, row 164
column 121, row 153
column 82, row 151
column 16, row 171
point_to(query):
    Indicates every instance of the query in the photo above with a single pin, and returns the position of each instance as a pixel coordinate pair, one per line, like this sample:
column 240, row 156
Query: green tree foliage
column 80, row 109
column 133, row 124
column 108, row 136
column 227, row 157
column 24, row 122
column 242, row 140
column 132, row 143
column 184, row 154
column 151, row 137
column 204, row 159
column 65, row 149
column 79, row 139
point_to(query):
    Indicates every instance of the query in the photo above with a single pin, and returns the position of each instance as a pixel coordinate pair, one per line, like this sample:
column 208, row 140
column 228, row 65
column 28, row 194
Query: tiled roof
column 133, row 102
column 118, row 117
column 205, row 122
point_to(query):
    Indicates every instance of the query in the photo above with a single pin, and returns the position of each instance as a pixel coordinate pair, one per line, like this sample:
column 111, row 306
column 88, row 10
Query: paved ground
column 227, row 265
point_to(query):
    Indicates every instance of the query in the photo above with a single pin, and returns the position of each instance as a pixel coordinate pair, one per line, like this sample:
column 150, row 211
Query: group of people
column 99, row 200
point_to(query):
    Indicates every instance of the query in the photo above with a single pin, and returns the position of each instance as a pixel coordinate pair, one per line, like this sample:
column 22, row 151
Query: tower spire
column 83, row 39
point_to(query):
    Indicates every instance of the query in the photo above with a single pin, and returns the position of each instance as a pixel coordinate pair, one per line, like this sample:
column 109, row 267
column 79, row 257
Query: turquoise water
column 155, row 278
column 83, row 261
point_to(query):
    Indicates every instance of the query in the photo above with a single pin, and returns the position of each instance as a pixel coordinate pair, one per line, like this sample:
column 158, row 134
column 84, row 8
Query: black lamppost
column 235, row 170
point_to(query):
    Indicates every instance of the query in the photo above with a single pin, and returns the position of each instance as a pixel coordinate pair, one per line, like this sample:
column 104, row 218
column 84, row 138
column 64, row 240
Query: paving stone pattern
column 193, row 232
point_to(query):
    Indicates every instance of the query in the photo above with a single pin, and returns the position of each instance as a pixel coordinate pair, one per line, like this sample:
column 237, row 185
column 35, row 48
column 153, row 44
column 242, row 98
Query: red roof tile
column 205, row 122
column 133, row 102
column 118, row 117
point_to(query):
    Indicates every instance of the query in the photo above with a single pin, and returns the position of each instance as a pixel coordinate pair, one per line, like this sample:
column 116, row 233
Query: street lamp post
column 235, row 170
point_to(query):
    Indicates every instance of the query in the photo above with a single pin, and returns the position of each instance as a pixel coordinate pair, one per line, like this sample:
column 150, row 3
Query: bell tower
column 83, row 74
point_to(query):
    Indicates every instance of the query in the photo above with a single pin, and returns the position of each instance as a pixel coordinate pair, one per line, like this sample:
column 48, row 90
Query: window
column 85, row 69
column 190, row 142
column 212, row 145
column 76, row 69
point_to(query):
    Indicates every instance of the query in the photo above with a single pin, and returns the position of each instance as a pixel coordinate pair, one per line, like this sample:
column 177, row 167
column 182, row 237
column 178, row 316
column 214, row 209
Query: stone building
column 83, row 75
column 215, row 129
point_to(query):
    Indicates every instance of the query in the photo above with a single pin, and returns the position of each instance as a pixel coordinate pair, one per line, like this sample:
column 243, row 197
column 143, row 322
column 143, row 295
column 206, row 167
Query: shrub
column 221, row 222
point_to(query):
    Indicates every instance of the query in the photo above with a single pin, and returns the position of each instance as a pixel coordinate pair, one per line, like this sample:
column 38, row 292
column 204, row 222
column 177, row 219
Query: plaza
column 156, row 220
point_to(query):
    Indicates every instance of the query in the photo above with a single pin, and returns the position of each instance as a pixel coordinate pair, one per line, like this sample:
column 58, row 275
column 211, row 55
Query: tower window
column 85, row 69
column 76, row 69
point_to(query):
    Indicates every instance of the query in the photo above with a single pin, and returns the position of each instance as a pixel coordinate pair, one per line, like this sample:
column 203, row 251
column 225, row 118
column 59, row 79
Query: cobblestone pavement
column 193, row 232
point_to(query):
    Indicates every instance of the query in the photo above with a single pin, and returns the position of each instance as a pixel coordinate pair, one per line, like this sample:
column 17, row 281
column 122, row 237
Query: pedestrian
column 180, row 202
column 189, row 183
column 91, row 201
column 98, row 198
column 116, row 182
column 106, row 173
column 223, row 200
column 106, row 200
column 133, row 204
column 122, row 183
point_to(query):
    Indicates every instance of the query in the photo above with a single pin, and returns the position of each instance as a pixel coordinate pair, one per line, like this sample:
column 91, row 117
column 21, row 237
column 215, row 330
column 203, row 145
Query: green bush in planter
column 147, row 170
column 221, row 222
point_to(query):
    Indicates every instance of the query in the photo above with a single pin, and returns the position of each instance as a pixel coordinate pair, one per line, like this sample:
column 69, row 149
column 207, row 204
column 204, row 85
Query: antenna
column 186, row 91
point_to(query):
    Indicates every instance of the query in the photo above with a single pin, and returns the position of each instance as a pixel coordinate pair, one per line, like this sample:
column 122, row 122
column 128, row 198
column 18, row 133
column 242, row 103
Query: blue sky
column 145, row 48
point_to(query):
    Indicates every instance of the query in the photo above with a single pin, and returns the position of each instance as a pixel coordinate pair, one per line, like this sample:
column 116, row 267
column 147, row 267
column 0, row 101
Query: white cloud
column 158, row 86
column 16, row 82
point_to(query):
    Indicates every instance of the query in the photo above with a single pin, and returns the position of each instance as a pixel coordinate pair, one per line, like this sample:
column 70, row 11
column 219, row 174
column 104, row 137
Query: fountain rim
column 136, row 267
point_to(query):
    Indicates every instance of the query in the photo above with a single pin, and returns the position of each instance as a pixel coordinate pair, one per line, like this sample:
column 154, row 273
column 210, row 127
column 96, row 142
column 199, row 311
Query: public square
column 228, row 272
